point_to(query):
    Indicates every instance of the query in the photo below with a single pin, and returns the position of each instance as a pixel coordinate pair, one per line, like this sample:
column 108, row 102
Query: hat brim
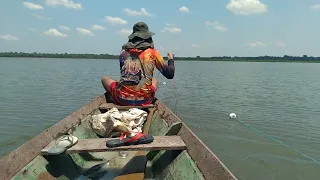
column 143, row 35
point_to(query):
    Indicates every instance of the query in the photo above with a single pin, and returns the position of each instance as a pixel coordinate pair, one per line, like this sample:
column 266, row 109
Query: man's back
column 137, row 68
column 138, row 59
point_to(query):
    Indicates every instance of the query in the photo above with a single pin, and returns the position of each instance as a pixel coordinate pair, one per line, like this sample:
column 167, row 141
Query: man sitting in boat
column 138, row 58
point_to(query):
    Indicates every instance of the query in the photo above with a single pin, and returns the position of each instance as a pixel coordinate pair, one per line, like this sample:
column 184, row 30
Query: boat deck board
column 106, row 106
column 99, row 145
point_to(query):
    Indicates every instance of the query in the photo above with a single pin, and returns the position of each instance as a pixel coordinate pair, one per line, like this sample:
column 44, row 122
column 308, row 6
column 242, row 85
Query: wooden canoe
column 177, row 152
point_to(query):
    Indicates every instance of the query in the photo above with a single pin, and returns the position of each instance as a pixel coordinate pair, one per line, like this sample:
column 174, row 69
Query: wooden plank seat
column 99, row 145
column 106, row 106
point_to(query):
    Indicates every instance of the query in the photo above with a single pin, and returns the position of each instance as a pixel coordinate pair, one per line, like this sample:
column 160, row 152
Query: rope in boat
column 272, row 138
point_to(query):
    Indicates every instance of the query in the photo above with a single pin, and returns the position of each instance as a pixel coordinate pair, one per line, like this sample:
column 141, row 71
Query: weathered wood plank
column 134, row 176
column 158, row 126
column 166, row 113
column 147, row 124
column 208, row 163
column 136, row 166
column 181, row 167
column 134, row 169
column 17, row 159
column 99, row 145
column 106, row 106
column 172, row 131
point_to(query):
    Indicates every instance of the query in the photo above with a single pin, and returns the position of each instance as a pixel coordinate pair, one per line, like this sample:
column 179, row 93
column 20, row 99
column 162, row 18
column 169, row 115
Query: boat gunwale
column 13, row 162
column 208, row 163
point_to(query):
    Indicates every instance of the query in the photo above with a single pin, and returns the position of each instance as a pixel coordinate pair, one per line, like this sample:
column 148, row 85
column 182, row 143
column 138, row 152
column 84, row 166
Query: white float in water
column 232, row 115
column 164, row 83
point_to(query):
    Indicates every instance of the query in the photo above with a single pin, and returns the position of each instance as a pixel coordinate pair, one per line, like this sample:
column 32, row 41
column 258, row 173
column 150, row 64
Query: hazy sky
column 186, row 28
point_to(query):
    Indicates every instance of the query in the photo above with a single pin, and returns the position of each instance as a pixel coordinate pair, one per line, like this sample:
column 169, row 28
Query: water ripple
column 280, row 99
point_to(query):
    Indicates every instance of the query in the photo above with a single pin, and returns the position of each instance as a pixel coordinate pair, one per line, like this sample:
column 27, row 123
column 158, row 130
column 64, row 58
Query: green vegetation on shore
column 285, row 58
column 58, row 55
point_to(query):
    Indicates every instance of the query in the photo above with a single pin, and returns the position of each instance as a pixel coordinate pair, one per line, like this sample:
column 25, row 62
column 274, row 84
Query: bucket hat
column 141, row 29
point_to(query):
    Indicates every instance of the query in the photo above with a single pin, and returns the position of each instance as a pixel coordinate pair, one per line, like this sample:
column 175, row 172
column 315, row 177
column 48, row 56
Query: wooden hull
column 196, row 162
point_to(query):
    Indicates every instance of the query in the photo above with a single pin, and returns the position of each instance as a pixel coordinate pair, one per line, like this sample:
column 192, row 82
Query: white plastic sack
column 101, row 123
column 130, row 121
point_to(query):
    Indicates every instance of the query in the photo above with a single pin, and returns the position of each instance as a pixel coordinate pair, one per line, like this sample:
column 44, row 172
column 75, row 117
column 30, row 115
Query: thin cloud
column 38, row 16
column 195, row 46
column 8, row 37
column 85, row 32
column 125, row 32
column 64, row 28
column 247, row 7
column 315, row 7
column 32, row 30
column 32, row 6
column 184, row 9
column 66, row 3
column 55, row 32
column 171, row 28
column 115, row 20
column 280, row 45
column 256, row 44
column 97, row 27
column 218, row 26
column 142, row 12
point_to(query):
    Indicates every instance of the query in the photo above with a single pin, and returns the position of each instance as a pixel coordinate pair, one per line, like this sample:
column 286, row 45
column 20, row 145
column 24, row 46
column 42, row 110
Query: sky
column 185, row 28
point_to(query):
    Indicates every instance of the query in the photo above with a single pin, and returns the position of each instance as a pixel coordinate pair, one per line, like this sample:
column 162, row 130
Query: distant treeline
column 285, row 58
column 58, row 55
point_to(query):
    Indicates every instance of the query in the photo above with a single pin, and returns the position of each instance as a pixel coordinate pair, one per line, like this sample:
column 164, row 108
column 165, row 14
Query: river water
column 281, row 100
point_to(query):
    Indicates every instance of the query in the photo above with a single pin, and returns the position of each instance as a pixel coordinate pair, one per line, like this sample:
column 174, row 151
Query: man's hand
column 170, row 55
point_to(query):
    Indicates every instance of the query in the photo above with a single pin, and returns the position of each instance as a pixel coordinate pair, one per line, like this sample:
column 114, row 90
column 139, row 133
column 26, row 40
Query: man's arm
column 166, row 70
